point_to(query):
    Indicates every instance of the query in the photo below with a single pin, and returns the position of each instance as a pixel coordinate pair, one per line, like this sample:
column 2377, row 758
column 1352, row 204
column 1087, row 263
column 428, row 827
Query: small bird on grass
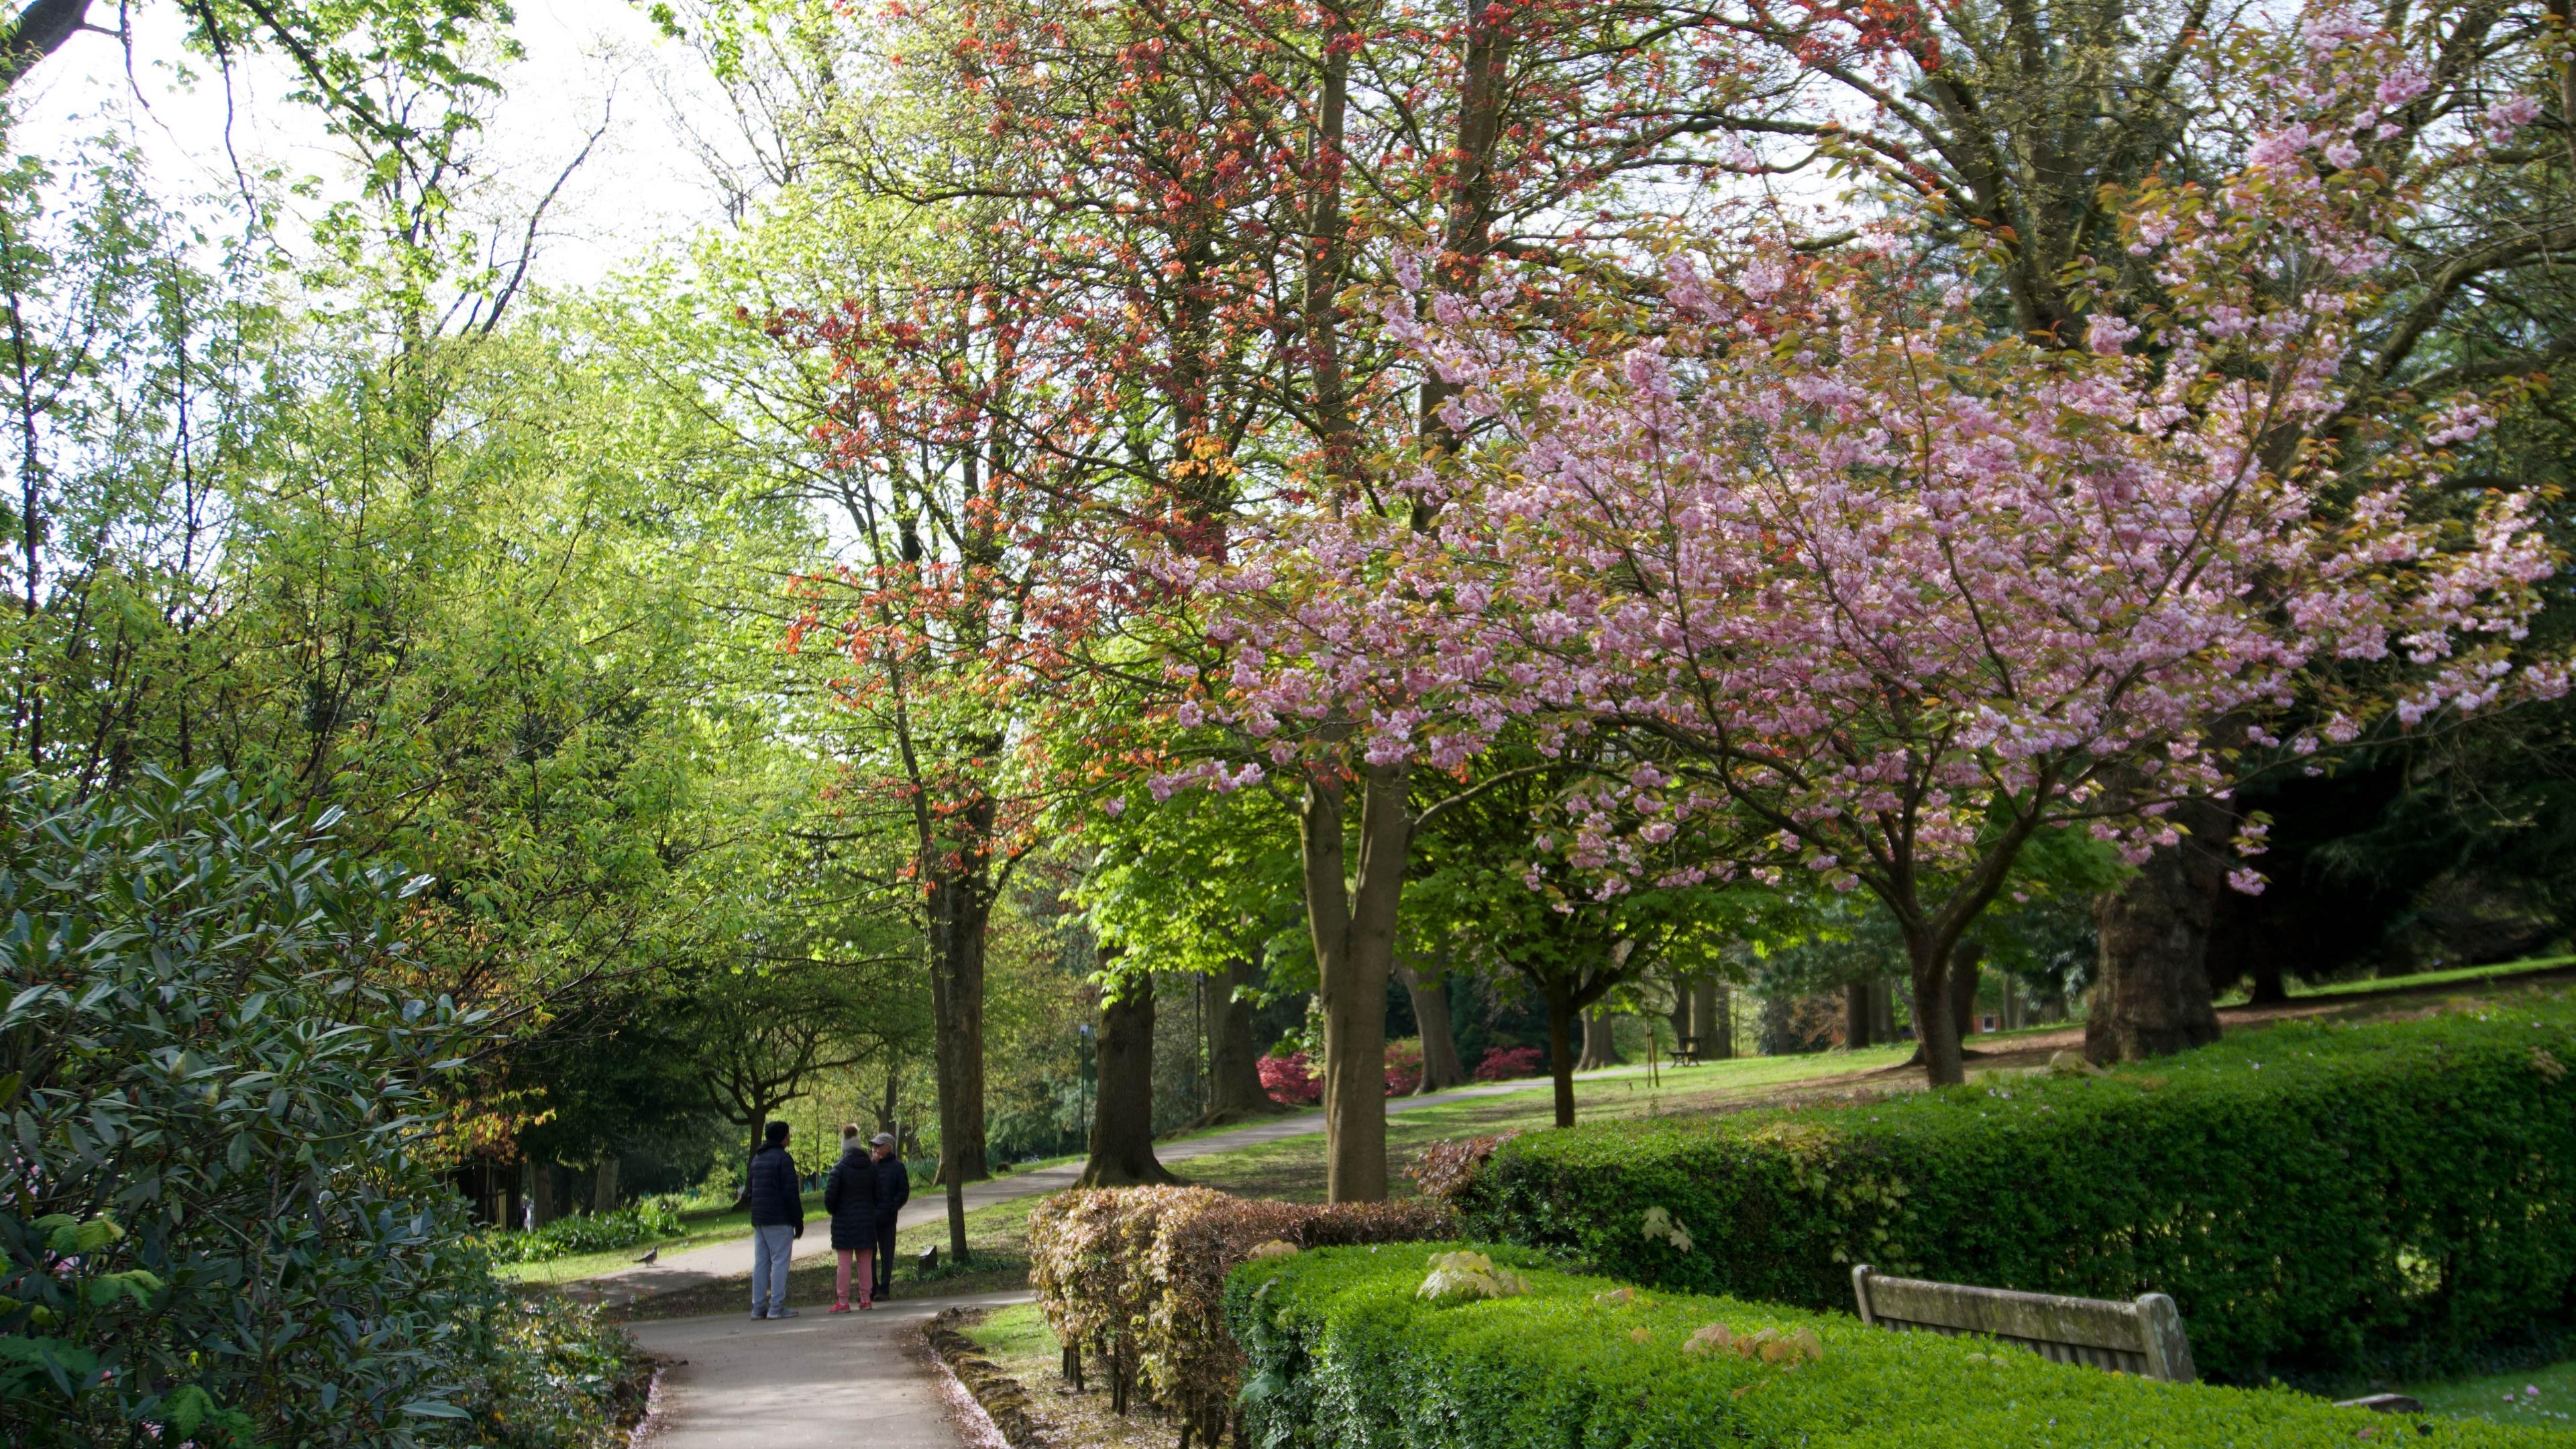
column 650, row 1258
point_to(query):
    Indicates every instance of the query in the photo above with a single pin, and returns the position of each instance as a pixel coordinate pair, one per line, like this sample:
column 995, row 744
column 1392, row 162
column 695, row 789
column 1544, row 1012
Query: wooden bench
column 2143, row 1336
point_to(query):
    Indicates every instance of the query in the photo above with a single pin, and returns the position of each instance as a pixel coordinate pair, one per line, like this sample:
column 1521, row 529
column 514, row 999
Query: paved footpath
column 814, row 1380
column 732, row 1258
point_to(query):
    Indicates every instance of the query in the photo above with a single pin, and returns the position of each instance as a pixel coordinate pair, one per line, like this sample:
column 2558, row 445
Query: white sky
column 641, row 188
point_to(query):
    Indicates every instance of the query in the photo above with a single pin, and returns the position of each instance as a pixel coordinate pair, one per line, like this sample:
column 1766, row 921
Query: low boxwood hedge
column 2318, row 1198
column 1343, row 1353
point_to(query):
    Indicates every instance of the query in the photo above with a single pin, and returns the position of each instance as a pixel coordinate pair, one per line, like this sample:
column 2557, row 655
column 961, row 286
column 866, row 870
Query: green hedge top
column 2316, row 1197
column 1343, row 1352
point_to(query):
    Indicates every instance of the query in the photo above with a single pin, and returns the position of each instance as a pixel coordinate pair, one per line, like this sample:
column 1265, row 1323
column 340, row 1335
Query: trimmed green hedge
column 1342, row 1353
column 2317, row 1198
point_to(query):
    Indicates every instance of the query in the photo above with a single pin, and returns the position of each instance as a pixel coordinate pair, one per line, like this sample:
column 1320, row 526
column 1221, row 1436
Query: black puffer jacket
column 894, row 1185
column 851, row 1198
column 770, row 1191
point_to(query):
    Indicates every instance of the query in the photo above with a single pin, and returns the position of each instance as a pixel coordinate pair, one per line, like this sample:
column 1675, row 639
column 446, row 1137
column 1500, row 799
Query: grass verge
column 2542, row 1398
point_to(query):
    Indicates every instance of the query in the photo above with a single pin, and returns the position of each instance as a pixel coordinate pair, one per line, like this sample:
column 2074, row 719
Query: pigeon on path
column 650, row 1258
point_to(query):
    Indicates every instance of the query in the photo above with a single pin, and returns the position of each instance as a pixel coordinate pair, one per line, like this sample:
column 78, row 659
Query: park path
column 814, row 1380
column 732, row 1257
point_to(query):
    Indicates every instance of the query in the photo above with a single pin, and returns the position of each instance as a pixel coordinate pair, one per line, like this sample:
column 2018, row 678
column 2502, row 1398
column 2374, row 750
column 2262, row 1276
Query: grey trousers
column 770, row 1250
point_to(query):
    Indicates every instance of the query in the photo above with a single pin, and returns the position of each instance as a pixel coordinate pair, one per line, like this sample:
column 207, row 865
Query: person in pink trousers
column 850, row 1196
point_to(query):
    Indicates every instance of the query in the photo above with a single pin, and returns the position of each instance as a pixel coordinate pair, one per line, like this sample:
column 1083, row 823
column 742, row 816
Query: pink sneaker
column 843, row 1306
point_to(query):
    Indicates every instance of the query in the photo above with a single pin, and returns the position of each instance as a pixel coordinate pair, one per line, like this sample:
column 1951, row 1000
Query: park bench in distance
column 2142, row 1336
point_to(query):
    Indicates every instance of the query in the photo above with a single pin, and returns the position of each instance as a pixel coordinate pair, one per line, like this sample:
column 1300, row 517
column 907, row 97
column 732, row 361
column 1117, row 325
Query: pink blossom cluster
column 1861, row 587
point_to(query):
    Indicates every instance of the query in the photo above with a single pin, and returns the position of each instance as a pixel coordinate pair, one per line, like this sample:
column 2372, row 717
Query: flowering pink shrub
column 1289, row 1083
column 1403, row 1066
column 1501, row 1064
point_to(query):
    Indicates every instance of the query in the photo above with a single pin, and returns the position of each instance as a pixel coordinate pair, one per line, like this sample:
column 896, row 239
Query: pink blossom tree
column 1869, row 594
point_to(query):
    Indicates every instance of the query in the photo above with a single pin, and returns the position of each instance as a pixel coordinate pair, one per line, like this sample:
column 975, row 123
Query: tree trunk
column 1936, row 1039
column 1680, row 1016
column 1122, row 1119
column 1600, row 1041
column 2269, row 989
column 1352, row 917
column 960, row 911
column 38, row 30
column 1713, row 1019
column 1441, row 1068
column 1856, row 1015
column 1882, row 1010
column 603, row 1186
column 1963, row 986
column 885, row 1107
column 2151, row 980
column 541, row 1192
column 1234, row 1058
column 1560, row 1053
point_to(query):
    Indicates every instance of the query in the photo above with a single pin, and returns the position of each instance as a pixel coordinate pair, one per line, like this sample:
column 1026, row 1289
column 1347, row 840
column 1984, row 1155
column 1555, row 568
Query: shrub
column 1503, row 1064
column 1291, row 1080
column 213, row 1223
column 1343, row 1350
column 645, row 1220
column 1135, row 1277
column 558, row 1379
column 2317, row 1198
column 1403, row 1065
column 1288, row 1081
column 1444, row 1169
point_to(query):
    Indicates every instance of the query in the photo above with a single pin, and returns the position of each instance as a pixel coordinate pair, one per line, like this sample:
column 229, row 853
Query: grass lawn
column 2498, row 973
column 2542, row 1398
column 1292, row 1168
column 1017, row 1332
column 696, row 1230
column 2457, row 975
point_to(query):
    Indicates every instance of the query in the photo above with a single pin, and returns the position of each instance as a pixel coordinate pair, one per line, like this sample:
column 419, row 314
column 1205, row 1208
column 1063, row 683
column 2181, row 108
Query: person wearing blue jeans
column 777, row 1221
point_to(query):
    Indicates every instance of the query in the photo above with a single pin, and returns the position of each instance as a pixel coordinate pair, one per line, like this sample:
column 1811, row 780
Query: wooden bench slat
column 2143, row 1336
column 2091, row 1322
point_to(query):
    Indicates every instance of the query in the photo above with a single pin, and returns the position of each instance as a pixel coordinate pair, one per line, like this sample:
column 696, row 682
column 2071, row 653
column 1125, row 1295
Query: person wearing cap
column 894, row 1189
column 851, row 1198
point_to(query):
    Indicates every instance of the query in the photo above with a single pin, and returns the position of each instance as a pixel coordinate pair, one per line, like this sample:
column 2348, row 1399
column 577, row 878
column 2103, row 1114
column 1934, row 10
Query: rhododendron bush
column 1291, row 1080
column 1871, row 597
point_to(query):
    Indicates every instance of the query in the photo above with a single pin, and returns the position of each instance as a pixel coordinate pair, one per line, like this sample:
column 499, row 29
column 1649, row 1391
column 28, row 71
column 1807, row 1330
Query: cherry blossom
column 1877, row 597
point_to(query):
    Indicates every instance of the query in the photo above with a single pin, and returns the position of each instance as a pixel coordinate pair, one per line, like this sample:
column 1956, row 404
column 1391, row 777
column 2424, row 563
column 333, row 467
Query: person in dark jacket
column 894, row 1189
column 851, row 1198
column 777, row 1221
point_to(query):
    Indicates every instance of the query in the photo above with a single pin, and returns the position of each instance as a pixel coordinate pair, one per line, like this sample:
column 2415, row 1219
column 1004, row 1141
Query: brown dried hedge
column 1133, row 1280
